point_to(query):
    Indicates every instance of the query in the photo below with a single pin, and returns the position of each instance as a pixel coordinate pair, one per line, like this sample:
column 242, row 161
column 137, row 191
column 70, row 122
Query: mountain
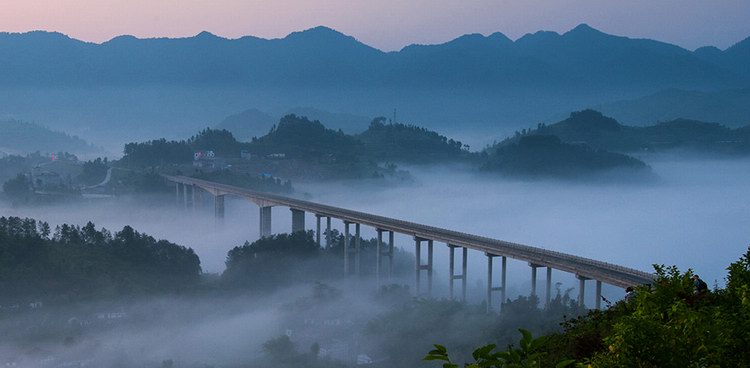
column 731, row 107
column 598, row 131
column 324, row 56
column 128, row 86
column 19, row 137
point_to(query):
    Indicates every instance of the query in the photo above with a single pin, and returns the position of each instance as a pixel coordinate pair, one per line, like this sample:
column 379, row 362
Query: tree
column 18, row 187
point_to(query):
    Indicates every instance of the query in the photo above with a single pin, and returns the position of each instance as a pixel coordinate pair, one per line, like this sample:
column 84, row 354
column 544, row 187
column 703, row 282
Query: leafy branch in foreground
column 527, row 356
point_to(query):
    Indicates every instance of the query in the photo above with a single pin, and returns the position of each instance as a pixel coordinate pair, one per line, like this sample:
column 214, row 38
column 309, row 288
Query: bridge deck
column 583, row 267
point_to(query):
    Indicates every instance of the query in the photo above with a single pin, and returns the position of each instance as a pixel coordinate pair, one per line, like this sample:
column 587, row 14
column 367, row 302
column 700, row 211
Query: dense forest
column 83, row 262
column 308, row 140
column 537, row 156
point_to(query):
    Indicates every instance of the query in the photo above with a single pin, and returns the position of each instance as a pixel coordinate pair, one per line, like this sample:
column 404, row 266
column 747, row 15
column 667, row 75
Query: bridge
column 583, row 268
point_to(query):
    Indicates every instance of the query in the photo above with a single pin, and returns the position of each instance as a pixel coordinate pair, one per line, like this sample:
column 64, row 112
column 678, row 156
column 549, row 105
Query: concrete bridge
column 424, row 238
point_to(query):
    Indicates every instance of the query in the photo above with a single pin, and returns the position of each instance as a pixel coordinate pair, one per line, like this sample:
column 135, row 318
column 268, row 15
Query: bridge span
column 583, row 268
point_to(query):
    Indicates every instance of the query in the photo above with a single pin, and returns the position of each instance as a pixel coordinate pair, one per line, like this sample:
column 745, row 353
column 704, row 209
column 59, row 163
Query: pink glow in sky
column 385, row 24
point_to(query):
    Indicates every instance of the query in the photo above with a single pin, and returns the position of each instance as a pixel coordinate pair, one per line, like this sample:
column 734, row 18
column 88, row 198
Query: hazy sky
column 385, row 24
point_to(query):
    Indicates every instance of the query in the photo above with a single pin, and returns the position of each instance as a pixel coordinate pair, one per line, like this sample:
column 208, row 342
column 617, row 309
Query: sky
column 384, row 24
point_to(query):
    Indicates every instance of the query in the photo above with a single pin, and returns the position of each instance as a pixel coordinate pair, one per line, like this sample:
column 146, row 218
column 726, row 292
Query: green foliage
column 666, row 325
column 18, row 187
column 157, row 152
column 282, row 352
column 93, row 171
column 83, row 261
column 401, row 142
column 548, row 156
column 301, row 138
column 528, row 355
column 604, row 133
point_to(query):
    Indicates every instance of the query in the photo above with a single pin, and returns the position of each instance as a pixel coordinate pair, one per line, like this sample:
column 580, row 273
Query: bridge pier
column 265, row 221
column 453, row 277
column 185, row 196
column 298, row 220
column 388, row 252
column 502, row 287
column 357, row 249
column 328, row 232
column 317, row 229
column 219, row 208
column 192, row 197
column 391, row 244
column 581, row 289
column 177, row 193
column 548, row 294
column 533, row 277
column 426, row 267
column 346, row 247
column 598, row 303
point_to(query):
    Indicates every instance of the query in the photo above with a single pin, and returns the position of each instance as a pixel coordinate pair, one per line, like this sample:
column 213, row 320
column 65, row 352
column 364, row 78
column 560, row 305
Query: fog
column 695, row 216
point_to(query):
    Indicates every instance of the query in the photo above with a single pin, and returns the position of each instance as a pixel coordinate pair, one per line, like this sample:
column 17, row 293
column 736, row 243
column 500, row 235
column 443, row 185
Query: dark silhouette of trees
column 83, row 261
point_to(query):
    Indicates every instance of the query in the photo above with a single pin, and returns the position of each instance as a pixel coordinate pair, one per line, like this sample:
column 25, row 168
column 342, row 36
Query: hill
column 601, row 132
column 19, row 137
column 540, row 156
column 409, row 143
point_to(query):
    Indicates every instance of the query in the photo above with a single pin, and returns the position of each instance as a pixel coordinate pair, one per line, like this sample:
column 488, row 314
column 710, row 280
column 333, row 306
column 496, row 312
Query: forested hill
column 36, row 260
column 602, row 132
column 410, row 143
column 308, row 140
column 540, row 156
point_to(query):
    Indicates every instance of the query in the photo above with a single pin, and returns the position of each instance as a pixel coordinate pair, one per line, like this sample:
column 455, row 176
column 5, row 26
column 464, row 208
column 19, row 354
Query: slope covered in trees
column 602, row 132
column 536, row 156
column 72, row 261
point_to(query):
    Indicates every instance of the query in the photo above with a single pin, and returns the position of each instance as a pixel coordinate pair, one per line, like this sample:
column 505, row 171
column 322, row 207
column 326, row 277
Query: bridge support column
column 298, row 220
column 548, row 294
column 185, row 196
column 453, row 277
column 177, row 193
column 219, row 208
column 391, row 244
column 265, row 221
column 193, row 196
column 328, row 232
column 378, row 256
column 581, row 289
column 420, row 267
column 502, row 287
column 317, row 229
column 533, row 278
column 346, row 248
column 357, row 253
column 598, row 303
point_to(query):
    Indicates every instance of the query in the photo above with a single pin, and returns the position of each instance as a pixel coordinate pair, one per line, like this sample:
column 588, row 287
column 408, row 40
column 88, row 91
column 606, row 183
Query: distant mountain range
column 130, row 88
column 322, row 57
